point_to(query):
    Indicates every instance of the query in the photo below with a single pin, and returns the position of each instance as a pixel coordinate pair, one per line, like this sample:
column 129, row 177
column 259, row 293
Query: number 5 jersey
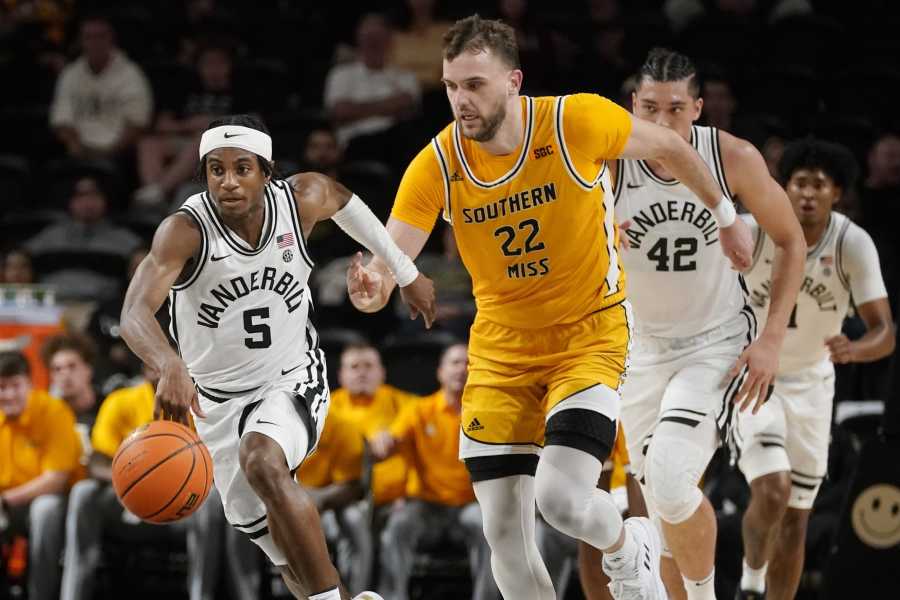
column 241, row 316
column 534, row 228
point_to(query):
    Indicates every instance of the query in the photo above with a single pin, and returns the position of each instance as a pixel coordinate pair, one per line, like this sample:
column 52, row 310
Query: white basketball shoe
column 638, row 579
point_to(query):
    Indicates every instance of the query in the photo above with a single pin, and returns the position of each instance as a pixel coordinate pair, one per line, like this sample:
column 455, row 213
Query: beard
column 491, row 123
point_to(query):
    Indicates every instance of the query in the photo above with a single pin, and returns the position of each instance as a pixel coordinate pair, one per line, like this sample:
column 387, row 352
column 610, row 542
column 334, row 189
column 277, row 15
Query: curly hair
column 833, row 159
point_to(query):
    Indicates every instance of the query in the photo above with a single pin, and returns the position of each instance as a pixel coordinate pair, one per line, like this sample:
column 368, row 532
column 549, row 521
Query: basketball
column 162, row 472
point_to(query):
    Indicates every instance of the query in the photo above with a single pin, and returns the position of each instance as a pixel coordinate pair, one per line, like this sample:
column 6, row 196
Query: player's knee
column 673, row 470
column 772, row 492
column 557, row 507
column 265, row 468
column 503, row 530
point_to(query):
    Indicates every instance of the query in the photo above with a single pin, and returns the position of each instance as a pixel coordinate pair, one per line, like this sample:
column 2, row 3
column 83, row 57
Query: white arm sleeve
column 362, row 225
column 860, row 266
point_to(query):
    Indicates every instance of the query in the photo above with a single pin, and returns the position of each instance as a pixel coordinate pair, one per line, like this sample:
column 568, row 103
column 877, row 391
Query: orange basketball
column 162, row 472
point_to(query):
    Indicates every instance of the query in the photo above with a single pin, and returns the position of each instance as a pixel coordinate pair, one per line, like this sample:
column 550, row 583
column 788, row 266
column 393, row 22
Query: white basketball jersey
column 241, row 318
column 680, row 283
column 841, row 267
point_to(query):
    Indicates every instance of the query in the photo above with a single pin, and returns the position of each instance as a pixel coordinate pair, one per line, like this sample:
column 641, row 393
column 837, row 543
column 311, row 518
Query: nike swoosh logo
column 218, row 258
column 231, row 135
column 632, row 186
column 283, row 372
column 260, row 421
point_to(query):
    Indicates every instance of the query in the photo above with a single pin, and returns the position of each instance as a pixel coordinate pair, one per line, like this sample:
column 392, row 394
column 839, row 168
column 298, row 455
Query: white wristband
column 724, row 213
column 362, row 225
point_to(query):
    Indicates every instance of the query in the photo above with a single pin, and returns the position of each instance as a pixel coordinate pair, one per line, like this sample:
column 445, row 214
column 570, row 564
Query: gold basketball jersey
column 535, row 228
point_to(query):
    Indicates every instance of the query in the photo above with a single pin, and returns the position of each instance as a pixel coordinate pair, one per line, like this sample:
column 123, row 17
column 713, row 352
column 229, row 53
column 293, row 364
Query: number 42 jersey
column 241, row 317
column 680, row 283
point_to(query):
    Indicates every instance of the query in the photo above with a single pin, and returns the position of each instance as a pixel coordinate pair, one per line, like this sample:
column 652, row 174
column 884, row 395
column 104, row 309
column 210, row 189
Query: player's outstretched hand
column 176, row 394
column 419, row 295
column 761, row 360
column 737, row 244
column 364, row 286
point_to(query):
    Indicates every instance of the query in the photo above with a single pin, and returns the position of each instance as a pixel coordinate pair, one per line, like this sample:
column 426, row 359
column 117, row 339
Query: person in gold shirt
column 94, row 511
column 441, row 500
column 334, row 478
column 39, row 454
column 370, row 405
column 522, row 181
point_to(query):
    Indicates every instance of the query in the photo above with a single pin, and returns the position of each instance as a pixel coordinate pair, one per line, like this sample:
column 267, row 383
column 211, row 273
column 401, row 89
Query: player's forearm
column 100, row 467
column 877, row 343
column 787, row 274
column 142, row 333
column 51, row 482
column 336, row 496
column 681, row 160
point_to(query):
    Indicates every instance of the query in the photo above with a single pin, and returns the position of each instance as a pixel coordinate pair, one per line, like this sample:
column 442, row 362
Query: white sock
column 332, row 594
column 705, row 589
column 624, row 555
column 754, row 580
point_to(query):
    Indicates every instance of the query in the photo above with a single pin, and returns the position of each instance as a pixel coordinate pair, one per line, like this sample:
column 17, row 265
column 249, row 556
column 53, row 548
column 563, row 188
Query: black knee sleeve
column 582, row 429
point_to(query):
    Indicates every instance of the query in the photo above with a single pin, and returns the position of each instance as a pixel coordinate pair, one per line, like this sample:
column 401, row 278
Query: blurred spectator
column 419, row 44
column 719, row 102
column 39, row 452
column 605, row 53
column 371, row 405
column 117, row 366
column 452, row 286
column 102, row 100
column 441, row 500
column 168, row 156
column 94, row 511
column 367, row 97
column 70, row 358
column 322, row 152
column 17, row 268
column 86, row 232
column 536, row 50
column 333, row 477
column 683, row 12
column 880, row 200
column 772, row 151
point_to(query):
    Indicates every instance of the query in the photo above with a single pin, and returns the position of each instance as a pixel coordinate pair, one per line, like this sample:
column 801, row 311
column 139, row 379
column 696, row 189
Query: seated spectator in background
column 366, row 401
column 70, row 358
column 94, row 510
column 117, row 366
column 39, row 453
column 419, row 44
column 102, row 100
column 86, row 231
column 17, row 268
column 322, row 153
column 167, row 157
column 366, row 98
column 719, row 102
column 333, row 477
column 441, row 501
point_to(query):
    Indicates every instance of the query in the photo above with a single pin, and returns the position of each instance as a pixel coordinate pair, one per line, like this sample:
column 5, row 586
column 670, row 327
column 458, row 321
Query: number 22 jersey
column 534, row 228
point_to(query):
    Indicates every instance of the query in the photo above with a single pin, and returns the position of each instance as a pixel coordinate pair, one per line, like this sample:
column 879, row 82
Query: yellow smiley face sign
column 876, row 516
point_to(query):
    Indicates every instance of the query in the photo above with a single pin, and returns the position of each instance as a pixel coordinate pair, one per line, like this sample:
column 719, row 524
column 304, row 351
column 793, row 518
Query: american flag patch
column 284, row 240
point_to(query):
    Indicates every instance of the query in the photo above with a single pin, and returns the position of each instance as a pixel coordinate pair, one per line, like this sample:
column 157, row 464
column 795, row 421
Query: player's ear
column 514, row 82
column 271, row 171
column 838, row 196
column 698, row 108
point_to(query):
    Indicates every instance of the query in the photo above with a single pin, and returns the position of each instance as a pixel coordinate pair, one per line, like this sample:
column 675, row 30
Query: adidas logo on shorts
column 475, row 425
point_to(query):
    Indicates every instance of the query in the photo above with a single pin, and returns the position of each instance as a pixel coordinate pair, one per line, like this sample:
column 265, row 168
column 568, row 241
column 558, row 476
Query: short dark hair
column 475, row 34
column 835, row 160
column 12, row 363
column 79, row 343
column 243, row 120
column 663, row 64
column 359, row 345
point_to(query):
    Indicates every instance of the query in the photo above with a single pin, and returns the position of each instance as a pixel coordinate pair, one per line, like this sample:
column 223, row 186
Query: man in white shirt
column 367, row 96
column 102, row 100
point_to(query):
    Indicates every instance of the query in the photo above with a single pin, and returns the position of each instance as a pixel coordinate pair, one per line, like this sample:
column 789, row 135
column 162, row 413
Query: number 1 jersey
column 241, row 318
column 680, row 282
column 534, row 228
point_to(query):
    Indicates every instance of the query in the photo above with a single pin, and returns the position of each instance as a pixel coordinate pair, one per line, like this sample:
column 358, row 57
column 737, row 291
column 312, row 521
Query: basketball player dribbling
column 695, row 355
column 234, row 264
column 784, row 454
column 519, row 180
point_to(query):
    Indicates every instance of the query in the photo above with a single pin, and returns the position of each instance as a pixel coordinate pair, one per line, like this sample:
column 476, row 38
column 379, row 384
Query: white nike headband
column 236, row 136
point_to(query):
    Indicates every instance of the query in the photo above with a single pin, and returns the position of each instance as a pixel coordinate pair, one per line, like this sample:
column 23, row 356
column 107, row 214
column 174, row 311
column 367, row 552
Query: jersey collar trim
column 231, row 239
column 526, row 145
